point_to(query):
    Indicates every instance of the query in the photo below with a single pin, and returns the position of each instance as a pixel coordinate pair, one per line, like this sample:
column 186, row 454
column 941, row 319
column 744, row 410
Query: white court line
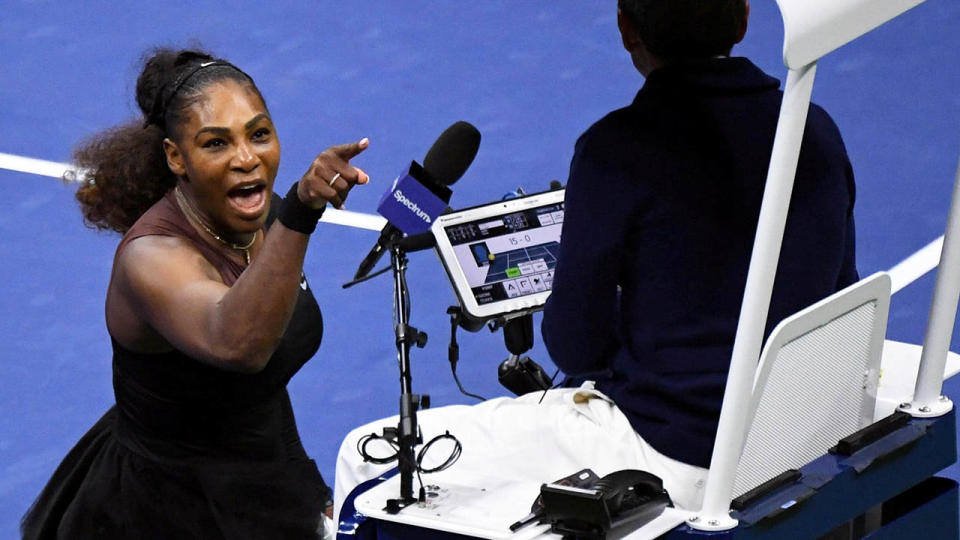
column 353, row 219
column 901, row 275
column 56, row 170
column 33, row 166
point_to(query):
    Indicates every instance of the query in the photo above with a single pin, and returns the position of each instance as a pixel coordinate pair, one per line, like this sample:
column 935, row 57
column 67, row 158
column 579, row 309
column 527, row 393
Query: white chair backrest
column 816, row 382
column 813, row 28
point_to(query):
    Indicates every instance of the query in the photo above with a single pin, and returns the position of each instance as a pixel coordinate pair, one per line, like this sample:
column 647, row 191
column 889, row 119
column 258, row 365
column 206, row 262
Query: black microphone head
column 452, row 153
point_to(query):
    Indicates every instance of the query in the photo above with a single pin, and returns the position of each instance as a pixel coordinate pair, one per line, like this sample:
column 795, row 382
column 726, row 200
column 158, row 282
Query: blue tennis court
column 530, row 75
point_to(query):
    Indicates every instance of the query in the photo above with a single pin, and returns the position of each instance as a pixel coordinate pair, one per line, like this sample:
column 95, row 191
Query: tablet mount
column 517, row 373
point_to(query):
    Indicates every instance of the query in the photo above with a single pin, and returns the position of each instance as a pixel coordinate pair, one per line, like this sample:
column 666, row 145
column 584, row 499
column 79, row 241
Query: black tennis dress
column 190, row 451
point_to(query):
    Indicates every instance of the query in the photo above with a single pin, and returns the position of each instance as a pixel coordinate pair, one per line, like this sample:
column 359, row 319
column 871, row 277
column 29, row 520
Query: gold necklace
column 191, row 216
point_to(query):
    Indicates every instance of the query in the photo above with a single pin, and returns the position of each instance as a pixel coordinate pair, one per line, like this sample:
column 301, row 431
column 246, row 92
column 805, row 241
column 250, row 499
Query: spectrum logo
column 412, row 206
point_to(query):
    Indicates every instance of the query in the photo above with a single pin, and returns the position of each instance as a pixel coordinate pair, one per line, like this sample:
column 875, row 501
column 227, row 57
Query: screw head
column 713, row 523
column 944, row 399
column 904, row 405
column 693, row 519
column 924, row 409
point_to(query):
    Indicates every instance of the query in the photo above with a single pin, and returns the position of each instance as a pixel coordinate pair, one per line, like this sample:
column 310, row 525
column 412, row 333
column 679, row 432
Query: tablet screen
column 510, row 255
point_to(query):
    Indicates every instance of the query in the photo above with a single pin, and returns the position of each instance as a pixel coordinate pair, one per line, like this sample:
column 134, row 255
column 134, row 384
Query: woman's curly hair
column 123, row 170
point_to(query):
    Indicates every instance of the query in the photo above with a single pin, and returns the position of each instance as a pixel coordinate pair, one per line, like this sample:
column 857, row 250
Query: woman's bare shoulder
column 147, row 270
column 159, row 257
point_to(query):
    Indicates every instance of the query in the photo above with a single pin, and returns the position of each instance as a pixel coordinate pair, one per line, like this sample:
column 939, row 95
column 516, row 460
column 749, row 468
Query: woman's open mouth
column 248, row 199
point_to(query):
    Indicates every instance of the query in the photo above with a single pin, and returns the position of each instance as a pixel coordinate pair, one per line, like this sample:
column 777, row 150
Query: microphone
column 417, row 242
column 420, row 194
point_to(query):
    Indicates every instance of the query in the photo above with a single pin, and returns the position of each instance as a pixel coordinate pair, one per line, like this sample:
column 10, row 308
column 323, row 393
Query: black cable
column 366, row 278
column 422, row 495
column 454, row 455
column 453, row 351
column 406, row 291
column 555, row 373
column 451, row 459
column 367, row 439
column 453, row 369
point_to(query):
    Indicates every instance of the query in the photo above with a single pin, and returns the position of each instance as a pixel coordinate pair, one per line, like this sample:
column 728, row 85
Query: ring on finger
column 334, row 179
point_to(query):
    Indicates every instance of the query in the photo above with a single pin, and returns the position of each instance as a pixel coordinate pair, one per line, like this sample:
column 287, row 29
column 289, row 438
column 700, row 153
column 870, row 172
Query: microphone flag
column 410, row 204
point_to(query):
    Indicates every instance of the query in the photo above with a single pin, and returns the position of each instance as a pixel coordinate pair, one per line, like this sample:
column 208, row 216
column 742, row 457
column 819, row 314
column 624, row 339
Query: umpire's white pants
column 525, row 439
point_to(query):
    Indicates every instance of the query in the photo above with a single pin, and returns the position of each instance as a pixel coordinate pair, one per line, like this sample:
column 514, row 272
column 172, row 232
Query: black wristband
column 297, row 216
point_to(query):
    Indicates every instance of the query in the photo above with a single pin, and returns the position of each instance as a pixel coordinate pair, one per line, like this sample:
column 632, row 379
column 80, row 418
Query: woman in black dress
column 209, row 316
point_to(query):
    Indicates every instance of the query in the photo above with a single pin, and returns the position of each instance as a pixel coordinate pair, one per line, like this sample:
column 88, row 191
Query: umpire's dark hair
column 672, row 29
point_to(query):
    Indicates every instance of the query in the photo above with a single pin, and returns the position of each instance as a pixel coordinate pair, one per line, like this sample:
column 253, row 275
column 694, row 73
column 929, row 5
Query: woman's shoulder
column 156, row 261
column 150, row 270
column 162, row 238
column 161, row 219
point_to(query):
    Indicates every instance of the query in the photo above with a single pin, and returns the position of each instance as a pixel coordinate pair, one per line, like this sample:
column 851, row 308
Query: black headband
column 167, row 94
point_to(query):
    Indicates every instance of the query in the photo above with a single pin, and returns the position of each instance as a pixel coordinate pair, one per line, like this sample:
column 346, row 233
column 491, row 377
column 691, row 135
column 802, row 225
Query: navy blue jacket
column 661, row 211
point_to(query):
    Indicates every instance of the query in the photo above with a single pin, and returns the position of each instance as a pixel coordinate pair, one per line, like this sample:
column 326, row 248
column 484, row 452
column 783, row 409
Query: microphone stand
column 408, row 433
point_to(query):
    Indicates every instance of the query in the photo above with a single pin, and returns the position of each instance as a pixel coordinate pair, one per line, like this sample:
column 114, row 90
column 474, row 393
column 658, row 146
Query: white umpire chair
column 827, row 371
column 813, row 28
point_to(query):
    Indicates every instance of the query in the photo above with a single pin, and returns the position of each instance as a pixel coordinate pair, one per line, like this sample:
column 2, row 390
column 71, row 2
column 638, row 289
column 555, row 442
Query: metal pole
column 399, row 262
column 407, row 430
column 715, row 513
column 927, row 401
